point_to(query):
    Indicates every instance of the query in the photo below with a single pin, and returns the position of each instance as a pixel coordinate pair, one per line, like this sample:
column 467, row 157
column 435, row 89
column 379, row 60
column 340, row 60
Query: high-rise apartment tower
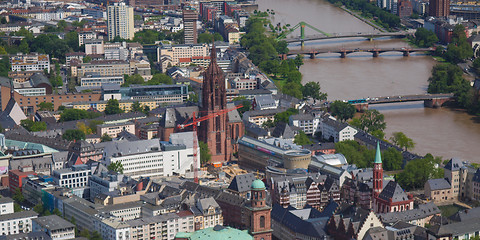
column 120, row 21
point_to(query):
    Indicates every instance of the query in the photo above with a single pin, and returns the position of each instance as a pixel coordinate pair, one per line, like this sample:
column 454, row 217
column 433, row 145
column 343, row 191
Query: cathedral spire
column 213, row 53
column 12, row 89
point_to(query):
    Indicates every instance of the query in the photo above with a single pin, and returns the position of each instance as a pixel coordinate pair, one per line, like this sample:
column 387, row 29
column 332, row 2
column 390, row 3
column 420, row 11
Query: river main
column 442, row 132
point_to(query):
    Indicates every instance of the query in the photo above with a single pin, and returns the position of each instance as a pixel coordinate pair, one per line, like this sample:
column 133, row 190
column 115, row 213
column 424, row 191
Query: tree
column 371, row 121
column 3, row 51
column 17, row 207
column 302, row 139
column 95, row 236
column 284, row 116
column 45, row 106
column 418, row 171
column 18, row 196
column 136, row 107
column 113, row 107
column 298, row 61
column 61, row 25
column 87, row 59
column 160, row 78
column 459, row 49
column 342, row 110
column 105, row 138
column 57, row 212
column 293, row 89
column 205, row 154
column 312, row 89
column 85, row 233
column 268, row 124
column 192, row 97
column 392, row 159
column 401, row 140
column 425, row 38
column 84, row 128
column 77, row 114
column 246, row 106
column 134, row 79
column 33, row 126
column 116, row 167
column 73, row 134
column 92, row 124
column 355, row 153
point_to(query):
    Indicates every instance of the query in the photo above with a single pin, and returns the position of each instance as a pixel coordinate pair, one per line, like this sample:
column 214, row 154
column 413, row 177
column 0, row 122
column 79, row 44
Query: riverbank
column 359, row 17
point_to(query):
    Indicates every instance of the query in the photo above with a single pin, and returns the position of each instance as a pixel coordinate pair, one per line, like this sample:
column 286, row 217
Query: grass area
column 439, row 59
column 279, row 81
column 449, row 210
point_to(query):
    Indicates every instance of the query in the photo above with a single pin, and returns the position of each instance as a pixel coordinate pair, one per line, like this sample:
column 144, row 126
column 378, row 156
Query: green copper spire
column 378, row 155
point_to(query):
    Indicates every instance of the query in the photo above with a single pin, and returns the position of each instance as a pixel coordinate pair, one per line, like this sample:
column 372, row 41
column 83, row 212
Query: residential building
column 120, row 21
column 103, row 181
column 30, row 62
column 83, row 36
column 74, row 55
column 337, row 131
column 405, row 8
column 94, row 46
column 243, row 83
column 439, row 8
column 17, row 177
column 308, row 123
column 418, row 216
column 182, row 51
column 207, row 213
column 259, row 117
column 125, row 105
column 90, row 80
column 113, row 129
column 34, row 186
column 56, row 227
column 6, row 206
column 190, row 17
column 352, row 224
column 17, row 222
column 102, row 68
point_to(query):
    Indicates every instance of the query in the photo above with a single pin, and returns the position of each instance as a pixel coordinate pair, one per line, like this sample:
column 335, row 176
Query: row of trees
column 418, row 171
column 370, row 10
column 157, row 79
column 362, row 157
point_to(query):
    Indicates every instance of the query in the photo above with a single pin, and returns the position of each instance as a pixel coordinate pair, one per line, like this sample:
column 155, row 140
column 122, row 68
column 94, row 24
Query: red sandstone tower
column 260, row 219
column 214, row 131
column 377, row 173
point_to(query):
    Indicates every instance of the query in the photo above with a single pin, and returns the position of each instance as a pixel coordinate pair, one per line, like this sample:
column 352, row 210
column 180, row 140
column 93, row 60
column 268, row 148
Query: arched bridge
column 344, row 52
column 430, row 100
column 346, row 35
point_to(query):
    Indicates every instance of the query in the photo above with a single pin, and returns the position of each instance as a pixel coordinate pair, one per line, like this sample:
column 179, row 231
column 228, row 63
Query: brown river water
column 442, row 132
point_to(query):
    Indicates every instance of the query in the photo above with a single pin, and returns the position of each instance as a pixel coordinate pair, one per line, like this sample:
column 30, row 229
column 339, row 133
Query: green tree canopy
column 74, row 134
column 425, row 38
column 45, row 106
column 33, row 126
column 402, row 141
column 371, row 121
column 113, row 107
column 418, row 171
column 312, row 89
column 160, row 78
column 77, row 114
column 116, row 167
column 342, row 110
column 205, row 154
column 284, row 116
column 302, row 139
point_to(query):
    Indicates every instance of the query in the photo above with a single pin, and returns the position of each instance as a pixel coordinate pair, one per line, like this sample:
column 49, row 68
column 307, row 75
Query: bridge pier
column 406, row 53
column 361, row 107
column 375, row 54
column 343, row 54
column 283, row 56
column 435, row 102
column 302, row 44
column 312, row 55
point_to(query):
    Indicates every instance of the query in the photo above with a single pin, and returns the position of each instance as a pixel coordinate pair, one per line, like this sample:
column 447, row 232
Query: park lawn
column 279, row 81
column 449, row 210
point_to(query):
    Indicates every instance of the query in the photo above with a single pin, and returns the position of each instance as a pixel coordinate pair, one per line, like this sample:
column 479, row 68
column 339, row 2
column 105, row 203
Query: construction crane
column 194, row 124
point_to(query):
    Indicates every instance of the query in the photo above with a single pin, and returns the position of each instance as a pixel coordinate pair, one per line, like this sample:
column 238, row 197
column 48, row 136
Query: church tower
column 214, row 131
column 260, row 220
column 377, row 173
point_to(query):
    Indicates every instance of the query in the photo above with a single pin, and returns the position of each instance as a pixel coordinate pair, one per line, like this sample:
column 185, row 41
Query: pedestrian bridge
column 346, row 35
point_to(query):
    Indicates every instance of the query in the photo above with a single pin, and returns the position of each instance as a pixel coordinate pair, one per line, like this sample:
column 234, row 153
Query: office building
column 56, row 227
column 97, row 80
column 75, row 178
column 190, row 17
column 120, row 21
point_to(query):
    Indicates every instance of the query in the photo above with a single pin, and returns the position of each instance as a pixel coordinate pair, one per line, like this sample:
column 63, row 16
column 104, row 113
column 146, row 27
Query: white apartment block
column 113, row 129
column 336, row 130
column 56, row 227
column 6, row 205
column 31, row 91
column 76, row 177
column 150, row 158
column 98, row 80
column 307, row 122
column 94, row 46
column 243, row 83
column 82, row 36
column 176, row 52
column 120, row 21
column 18, row 222
column 30, row 62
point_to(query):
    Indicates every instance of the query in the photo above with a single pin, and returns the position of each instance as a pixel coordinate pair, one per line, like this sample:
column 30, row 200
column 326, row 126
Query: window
column 262, row 221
